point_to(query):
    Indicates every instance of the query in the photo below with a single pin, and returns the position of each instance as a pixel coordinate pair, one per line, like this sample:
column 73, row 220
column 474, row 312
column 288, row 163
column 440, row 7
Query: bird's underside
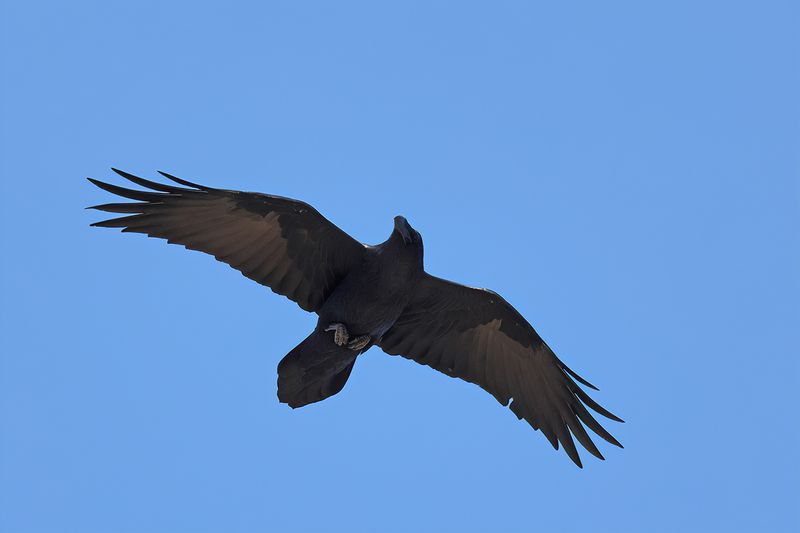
column 365, row 296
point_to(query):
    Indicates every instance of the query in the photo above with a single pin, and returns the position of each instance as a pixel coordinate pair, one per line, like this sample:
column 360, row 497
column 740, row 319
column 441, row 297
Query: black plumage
column 364, row 296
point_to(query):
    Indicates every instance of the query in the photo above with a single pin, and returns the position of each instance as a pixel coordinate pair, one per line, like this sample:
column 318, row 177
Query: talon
column 359, row 342
column 341, row 336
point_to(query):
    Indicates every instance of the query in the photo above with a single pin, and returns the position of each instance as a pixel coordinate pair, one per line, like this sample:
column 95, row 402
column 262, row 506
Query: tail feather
column 314, row 370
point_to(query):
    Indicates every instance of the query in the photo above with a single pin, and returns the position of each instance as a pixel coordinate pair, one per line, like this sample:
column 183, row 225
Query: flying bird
column 366, row 296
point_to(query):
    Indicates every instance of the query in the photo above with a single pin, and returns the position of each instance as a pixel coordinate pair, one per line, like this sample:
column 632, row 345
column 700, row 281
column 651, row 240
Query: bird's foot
column 341, row 336
column 359, row 342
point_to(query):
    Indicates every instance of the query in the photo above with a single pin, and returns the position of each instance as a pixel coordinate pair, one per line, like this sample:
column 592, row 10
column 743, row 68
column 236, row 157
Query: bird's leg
column 359, row 342
column 341, row 336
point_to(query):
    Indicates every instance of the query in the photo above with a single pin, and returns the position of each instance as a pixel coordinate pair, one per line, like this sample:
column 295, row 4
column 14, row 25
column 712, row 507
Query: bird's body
column 366, row 296
column 373, row 295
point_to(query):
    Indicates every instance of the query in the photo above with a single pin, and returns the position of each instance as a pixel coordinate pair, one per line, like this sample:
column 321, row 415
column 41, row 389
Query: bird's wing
column 475, row 335
column 284, row 244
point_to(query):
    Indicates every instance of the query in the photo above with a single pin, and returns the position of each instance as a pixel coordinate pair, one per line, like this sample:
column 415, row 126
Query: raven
column 364, row 296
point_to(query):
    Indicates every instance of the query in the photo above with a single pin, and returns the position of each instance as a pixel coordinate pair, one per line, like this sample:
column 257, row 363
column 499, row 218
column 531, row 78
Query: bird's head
column 404, row 230
column 406, row 242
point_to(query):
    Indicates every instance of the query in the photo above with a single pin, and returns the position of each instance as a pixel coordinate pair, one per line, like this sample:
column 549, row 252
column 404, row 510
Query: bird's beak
column 402, row 227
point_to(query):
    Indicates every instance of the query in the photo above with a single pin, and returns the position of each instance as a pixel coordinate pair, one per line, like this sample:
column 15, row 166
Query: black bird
column 364, row 296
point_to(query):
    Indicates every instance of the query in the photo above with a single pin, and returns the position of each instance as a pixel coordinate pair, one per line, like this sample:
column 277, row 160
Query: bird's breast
column 370, row 300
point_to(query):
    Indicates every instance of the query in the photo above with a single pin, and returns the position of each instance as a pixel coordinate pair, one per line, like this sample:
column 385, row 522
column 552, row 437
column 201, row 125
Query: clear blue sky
column 624, row 173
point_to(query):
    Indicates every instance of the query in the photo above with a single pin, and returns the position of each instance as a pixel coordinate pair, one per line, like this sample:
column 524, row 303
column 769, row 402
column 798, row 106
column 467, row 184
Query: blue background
column 625, row 173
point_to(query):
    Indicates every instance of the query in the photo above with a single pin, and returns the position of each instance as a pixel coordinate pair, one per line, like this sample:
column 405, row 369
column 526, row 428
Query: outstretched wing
column 475, row 335
column 284, row 244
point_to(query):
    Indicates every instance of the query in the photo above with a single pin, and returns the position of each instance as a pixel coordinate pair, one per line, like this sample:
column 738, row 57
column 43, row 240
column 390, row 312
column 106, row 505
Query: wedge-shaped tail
column 314, row 370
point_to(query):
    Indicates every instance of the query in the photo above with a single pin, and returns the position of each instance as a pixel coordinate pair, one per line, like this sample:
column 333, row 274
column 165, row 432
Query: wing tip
column 110, row 223
column 574, row 374
column 183, row 181
column 576, row 458
column 102, row 185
